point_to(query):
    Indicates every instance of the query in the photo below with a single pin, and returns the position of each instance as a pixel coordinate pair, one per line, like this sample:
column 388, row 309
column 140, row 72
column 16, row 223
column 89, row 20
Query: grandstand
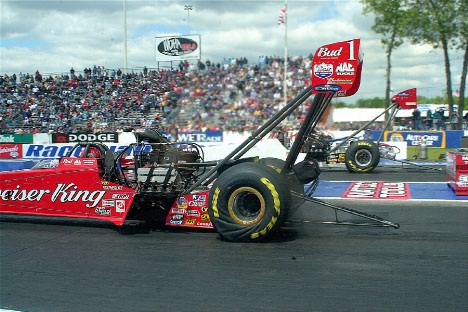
column 229, row 96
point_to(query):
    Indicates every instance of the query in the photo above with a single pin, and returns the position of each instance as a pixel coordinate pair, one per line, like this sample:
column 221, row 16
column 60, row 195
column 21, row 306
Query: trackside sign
column 85, row 137
column 178, row 48
column 16, row 138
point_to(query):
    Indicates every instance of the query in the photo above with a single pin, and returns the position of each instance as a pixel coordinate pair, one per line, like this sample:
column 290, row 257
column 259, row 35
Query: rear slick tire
column 248, row 202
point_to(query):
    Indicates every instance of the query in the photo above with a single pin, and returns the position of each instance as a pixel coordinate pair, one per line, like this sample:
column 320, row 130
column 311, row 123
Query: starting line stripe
column 373, row 190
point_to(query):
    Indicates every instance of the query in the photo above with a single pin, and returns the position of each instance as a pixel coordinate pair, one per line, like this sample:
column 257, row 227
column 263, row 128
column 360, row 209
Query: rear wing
column 406, row 99
column 337, row 68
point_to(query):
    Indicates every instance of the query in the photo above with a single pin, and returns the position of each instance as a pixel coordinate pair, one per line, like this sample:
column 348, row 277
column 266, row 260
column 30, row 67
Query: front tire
column 362, row 156
column 248, row 202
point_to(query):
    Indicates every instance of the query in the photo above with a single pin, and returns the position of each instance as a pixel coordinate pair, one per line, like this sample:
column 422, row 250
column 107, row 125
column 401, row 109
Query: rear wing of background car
column 406, row 99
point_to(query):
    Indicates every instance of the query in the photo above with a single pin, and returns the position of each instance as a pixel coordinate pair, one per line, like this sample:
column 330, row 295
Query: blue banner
column 443, row 139
column 414, row 138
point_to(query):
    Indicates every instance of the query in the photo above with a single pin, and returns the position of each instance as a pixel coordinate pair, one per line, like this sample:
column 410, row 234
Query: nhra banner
column 178, row 48
column 414, row 138
column 111, row 137
column 16, row 138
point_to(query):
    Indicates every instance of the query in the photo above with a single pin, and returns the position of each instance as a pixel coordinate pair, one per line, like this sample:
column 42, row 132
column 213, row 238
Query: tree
column 434, row 22
column 462, row 22
column 390, row 19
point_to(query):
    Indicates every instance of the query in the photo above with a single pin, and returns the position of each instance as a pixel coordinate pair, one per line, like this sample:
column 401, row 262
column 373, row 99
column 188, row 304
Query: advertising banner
column 8, row 151
column 41, row 151
column 208, row 136
column 178, row 48
column 414, row 138
column 16, row 138
column 111, row 137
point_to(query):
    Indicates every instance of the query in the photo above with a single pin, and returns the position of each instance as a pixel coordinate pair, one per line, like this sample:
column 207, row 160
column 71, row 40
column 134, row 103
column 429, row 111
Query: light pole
column 125, row 36
column 188, row 8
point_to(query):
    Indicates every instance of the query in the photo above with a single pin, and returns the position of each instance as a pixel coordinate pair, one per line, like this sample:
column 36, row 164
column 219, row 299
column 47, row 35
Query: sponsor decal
column 63, row 193
column 182, row 202
column 177, row 46
column 178, row 211
column 327, row 87
column 176, row 222
column 323, row 70
column 199, row 197
column 378, row 190
column 190, row 222
column 120, row 205
column 103, row 211
column 345, row 69
column 108, row 203
column 10, row 151
column 77, row 162
column 339, row 81
column 90, row 137
column 192, row 213
column 205, row 217
column 204, row 209
column 196, row 203
column 113, row 187
column 462, row 180
column 206, row 224
column 325, row 52
column 177, row 216
column 120, row 196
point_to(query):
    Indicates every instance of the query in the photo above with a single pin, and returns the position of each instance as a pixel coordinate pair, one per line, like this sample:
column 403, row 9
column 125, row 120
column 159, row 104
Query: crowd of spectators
column 231, row 95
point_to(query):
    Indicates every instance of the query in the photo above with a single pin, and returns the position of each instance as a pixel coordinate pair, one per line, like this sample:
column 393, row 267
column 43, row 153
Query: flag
column 455, row 93
column 282, row 16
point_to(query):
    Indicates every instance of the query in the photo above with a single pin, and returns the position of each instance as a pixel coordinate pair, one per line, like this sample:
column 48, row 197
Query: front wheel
column 248, row 202
column 362, row 156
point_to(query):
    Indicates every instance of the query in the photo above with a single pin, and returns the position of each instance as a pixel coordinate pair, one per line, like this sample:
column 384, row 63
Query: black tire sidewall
column 248, row 175
column 354, row 148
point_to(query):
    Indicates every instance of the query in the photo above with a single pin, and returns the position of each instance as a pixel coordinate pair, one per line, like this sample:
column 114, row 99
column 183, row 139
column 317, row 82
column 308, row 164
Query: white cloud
column 52, row 36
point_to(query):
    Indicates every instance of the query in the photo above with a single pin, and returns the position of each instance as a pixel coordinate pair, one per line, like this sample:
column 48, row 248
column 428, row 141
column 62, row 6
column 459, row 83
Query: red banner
column 11, row 151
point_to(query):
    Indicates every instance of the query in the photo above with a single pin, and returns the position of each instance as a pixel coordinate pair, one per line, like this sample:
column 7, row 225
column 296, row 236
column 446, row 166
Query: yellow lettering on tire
column 274, row 193
column 214, row 202
column 277, row 206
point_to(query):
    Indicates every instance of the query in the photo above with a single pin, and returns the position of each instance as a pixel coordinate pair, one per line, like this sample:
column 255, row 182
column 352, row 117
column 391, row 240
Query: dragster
column 243, row 198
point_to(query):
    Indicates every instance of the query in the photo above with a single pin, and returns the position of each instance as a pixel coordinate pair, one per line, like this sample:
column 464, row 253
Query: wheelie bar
column 381, row 221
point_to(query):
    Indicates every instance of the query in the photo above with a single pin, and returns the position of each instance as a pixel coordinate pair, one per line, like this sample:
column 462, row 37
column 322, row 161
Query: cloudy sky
column 52, row 36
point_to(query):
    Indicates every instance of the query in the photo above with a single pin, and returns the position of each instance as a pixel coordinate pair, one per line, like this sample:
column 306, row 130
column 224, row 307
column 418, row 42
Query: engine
column 316, row 147
column 168, row 168
column 388, row 151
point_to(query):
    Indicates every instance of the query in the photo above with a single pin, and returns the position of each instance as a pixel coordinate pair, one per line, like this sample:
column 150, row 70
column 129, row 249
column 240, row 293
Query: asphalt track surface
column 56, row 265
